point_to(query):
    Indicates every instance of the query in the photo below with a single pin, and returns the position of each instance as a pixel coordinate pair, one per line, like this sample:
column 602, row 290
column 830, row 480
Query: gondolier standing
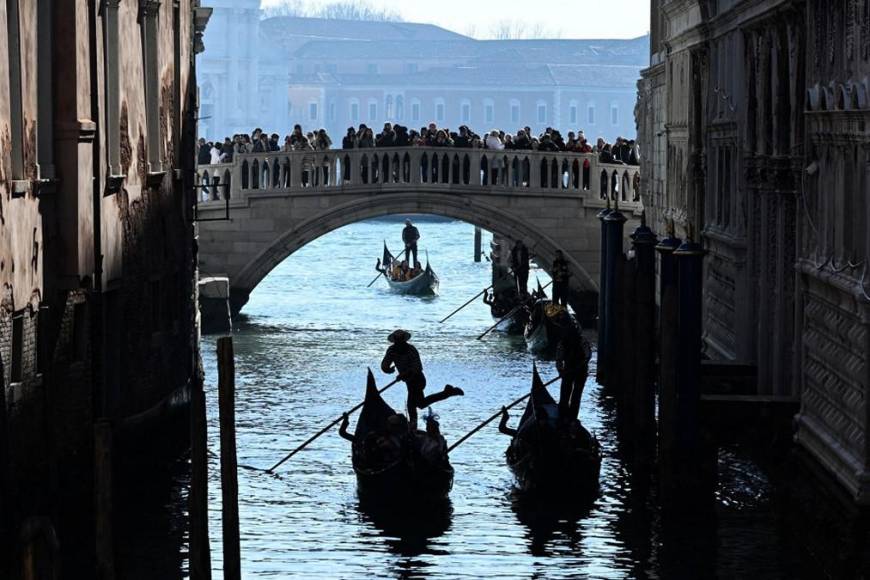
column 403, row 356
column 572, row 362
column 410, row 235
column 520, row 266
column 561, row 274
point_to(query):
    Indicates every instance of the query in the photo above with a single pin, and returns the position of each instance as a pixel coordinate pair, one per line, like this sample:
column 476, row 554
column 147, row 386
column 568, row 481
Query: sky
column 559, row 18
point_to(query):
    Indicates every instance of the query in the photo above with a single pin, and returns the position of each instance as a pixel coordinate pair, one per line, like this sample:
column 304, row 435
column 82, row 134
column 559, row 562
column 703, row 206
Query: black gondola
column 425, row 283
column 547, row 323
column 511, row 310
column 547, row 455
column 401, row 463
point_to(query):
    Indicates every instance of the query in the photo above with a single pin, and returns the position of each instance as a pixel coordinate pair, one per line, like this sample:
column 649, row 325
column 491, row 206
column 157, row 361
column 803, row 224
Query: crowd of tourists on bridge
column 621, row 151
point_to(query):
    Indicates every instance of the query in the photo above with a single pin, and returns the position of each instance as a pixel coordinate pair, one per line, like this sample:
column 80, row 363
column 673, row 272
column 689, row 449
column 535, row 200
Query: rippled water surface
column 302, row 347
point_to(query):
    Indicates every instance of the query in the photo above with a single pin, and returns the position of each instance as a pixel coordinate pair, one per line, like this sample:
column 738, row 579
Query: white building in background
column 277, row 72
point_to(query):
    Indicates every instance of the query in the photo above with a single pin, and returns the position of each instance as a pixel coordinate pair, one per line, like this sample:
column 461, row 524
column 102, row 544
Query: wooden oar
column 478, row 295
column 382, row 273
column 322, row 431
column 508, row 315
column 494, row 417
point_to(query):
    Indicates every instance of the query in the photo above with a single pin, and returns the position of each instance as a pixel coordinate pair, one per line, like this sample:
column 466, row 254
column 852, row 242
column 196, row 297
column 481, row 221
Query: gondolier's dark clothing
column 407, row 360
column 572, row 361
column 411, row 235
column 560, row 274
column 520, row 266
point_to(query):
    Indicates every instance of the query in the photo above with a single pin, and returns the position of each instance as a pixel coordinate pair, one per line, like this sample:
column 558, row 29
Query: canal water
column 302, row 348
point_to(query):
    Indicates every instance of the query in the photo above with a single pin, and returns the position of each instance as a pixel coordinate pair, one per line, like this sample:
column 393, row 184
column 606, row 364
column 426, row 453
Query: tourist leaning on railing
column 621, row 151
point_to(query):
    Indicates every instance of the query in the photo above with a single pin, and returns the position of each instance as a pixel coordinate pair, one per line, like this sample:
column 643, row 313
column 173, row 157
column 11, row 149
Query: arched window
column 465, row 111
column 515, row 111
column 489, row 111
column 415, row 110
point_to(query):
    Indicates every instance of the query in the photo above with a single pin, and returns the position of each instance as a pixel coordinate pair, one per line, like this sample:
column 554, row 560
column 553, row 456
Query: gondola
column 414, row 464
column 511, row 312
column 547, row 323
column 548, row 456
column 424, row 284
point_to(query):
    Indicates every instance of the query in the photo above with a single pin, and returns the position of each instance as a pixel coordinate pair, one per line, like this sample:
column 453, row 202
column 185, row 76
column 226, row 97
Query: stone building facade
column 97, row 256
column 276, row 72
column 754, row 114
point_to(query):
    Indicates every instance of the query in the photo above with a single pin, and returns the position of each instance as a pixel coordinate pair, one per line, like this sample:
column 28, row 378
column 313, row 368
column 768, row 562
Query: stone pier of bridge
column 262, row 207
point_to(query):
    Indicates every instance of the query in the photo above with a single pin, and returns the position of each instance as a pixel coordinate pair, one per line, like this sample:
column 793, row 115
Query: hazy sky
column 562, row 18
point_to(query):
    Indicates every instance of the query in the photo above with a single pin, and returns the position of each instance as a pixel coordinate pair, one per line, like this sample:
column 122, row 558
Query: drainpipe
column 96, row 291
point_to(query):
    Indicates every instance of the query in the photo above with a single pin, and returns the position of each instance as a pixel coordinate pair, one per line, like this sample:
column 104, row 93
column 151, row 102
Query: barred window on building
column 489, row 111
column 415, row 110
column 373, row 110
column 590, row 114
column 465, row 111
column 439, row 110
column 572, row 113
column 354, row 111
column 312, row 111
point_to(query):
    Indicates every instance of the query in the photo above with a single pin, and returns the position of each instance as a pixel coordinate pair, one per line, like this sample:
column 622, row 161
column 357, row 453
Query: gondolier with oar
column 411, row 235
column 403, row 356
column 572, row 362
column 520, row 266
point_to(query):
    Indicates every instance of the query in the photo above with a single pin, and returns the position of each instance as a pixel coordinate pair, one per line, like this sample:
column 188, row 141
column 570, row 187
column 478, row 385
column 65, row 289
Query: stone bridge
column 278, row 202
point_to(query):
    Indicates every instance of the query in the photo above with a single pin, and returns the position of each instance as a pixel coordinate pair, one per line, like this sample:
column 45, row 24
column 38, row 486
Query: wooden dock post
column 200, row 550
column 105, row 544
column 667, row 354
column 613, row 224
column 229, row 468
column 644, row 319
column 478, row 243
column 602, row 291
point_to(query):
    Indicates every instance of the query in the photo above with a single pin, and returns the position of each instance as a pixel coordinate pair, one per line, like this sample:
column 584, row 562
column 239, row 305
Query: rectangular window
column 466, row 113
column 372, row 69
column 112, row 55
column 312, row 111
column 15, row 97
column 439, row 112
column 332, row 111
column 573, row 114
column 354, row 112
column 590, row 114
column 411, row 68
column 300, row 69
column 373, row 111
column 150, row 39
column 542, row 113
column 614, row 114
column 515, row 113
column 489, row 113
column 17, row 370
column 332, row 68
column 415, row 112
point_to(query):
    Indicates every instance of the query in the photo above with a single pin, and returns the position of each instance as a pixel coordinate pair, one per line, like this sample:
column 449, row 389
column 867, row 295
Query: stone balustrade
column 526, row 172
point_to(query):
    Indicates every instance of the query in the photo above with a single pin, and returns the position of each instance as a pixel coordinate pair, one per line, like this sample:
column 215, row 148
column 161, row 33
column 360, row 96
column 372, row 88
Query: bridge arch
column 506, row 223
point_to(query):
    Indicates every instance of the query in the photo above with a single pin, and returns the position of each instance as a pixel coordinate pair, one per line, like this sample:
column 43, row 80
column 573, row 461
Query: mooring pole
column 478, row 243
column 200, row 550
column 105, row 545
column 690, row 280
column 644, row 243
column 613, row 223
column 602, row 290
column 667, row 353
column 229, row 467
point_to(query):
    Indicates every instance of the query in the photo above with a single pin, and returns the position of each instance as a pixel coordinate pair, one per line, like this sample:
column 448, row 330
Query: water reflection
column 552, row 523
column 408, row 529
